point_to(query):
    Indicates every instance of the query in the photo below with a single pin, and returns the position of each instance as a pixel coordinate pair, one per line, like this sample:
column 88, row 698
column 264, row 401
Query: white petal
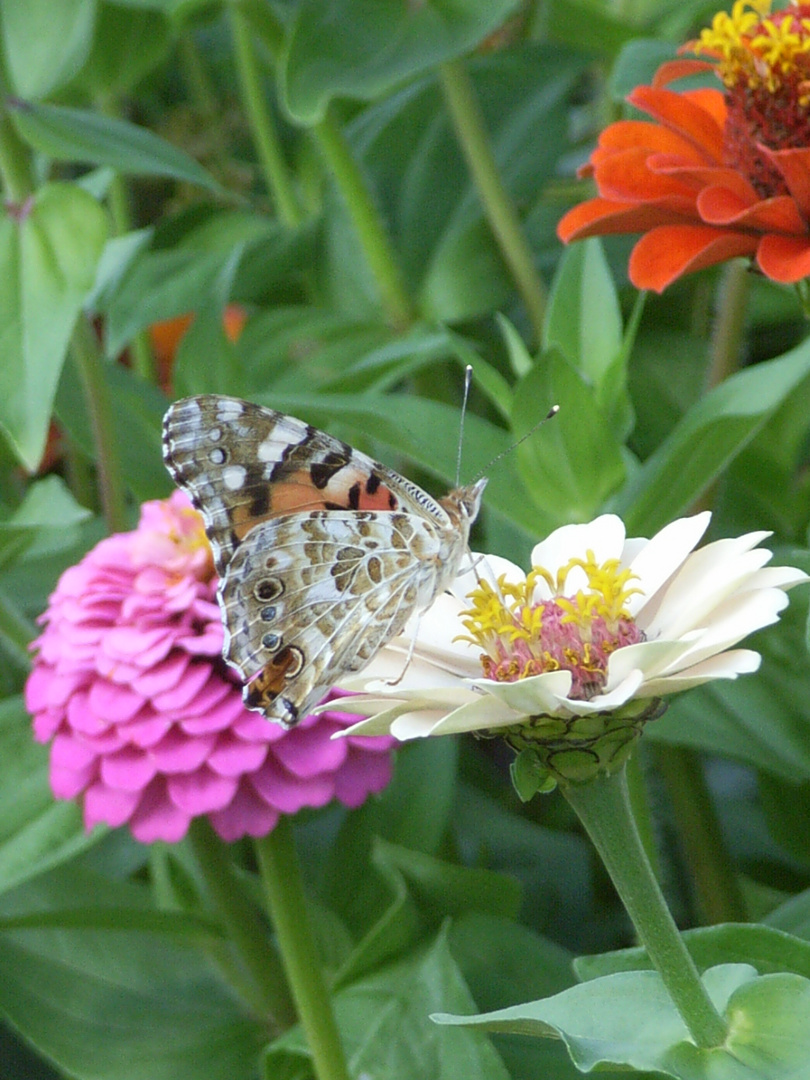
column 483, row 714
column 604, row 536
column 615, row 698
column 485, row 568
column 649, row 657
column 532, row 696
column 726, row 665
column 416, row 725
column 658, row 560
column 705, row 580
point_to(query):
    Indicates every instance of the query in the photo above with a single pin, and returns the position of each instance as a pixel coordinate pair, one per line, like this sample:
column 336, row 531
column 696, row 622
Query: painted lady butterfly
column 322, row 553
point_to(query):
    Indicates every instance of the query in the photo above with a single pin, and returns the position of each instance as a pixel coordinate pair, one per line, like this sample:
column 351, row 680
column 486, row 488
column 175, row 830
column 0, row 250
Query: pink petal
column 127, row 770
column 108, row 806
column 201, row 792
column 176, row 753
column 233, row 757
column 179, row 696
column 247, row 815
column 287, row 793
column 158, row 818
column 306, row 753
column 146, row 730
column 113, row 704
column 164, row 675
column 361, row 776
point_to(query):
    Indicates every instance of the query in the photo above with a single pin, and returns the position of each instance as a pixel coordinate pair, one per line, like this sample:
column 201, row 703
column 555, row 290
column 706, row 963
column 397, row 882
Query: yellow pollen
column 754, row 47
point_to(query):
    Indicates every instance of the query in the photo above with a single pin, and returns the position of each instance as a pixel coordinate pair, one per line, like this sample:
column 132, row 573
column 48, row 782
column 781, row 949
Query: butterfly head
column 465, row 502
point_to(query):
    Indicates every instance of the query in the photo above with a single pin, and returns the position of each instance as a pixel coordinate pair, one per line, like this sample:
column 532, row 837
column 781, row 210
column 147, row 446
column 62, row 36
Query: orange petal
column 719, row 206
column 666, row 253
column 625, row 176
column 625, row 134
column 704, row 176
column 679, row 69
column 784, row 258
column 711, row 101
column 599, row 217
column 684, row 115
column 794, row 166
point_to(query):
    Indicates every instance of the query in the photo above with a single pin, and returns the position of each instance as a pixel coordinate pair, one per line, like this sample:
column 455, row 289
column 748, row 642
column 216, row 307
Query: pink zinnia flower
column 146, row 722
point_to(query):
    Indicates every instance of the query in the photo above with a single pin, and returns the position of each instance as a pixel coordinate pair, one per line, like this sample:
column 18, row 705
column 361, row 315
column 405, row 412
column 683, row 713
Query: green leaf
column 384, row 1025
column 49, row 250
column 44, row 522
column 128, row 44
column 583, row 319
column 708, row 437
column 363, row 48
column 767, row 948
column 637, row 63
column 45, row 44
column 128, row 998
column 77, row 135
column 573, row 463
column 628, row 1020
column 36, row 832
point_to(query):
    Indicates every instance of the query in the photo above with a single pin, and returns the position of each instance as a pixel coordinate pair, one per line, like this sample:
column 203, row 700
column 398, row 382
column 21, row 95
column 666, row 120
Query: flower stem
column 286, row 902
column 243, row 922
column 366, row 219
column 729, row 322
column 87, row 357
column 471, row 132
column 277, row 177
column 603, row 807
column 719, row 898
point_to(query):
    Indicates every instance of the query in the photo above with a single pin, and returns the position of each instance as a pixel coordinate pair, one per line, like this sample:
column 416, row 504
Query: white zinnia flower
column 602, row 624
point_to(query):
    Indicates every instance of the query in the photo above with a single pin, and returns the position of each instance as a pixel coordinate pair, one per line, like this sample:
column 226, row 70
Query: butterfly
column 322, row 553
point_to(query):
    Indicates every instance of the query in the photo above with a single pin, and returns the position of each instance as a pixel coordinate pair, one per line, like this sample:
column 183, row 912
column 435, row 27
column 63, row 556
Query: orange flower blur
column 718, row 173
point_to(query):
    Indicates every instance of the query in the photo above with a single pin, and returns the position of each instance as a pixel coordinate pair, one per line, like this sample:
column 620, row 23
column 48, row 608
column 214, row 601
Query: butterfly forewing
column 322, row 552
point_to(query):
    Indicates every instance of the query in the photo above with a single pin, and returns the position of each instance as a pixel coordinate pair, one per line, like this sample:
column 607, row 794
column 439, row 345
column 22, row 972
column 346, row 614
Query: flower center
column 764, row 62
column 574, row 630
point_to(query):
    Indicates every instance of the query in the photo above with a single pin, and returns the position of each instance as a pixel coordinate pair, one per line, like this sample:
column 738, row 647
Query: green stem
column 15, row 162
column 246, row 929
column 718, row 894
column 87, row 357
column 471, row 132
column 286, row 902
column 277, row 177
column 140, row 350
column 200, row 88
column 729, row 322
column 603, row 807
column 366, row 219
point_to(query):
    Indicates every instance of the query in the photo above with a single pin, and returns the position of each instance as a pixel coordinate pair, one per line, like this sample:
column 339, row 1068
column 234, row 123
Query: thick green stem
column 471, row 132
column 87, row 357
column 718, row 894
column 729, row 322
column 603, row 807
column 246, row 930
column 277, row 176
column 366, row 219
column 287, row 906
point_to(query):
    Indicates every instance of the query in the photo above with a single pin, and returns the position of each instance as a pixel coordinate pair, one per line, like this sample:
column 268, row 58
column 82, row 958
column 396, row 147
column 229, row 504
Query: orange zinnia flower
column 720, row 173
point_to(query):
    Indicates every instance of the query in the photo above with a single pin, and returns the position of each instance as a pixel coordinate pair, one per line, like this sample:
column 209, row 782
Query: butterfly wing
column 242, row 464
column 319, row 594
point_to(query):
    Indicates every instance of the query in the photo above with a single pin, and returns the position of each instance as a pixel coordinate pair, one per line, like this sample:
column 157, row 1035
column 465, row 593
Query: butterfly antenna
column 467, row 383
column 551, row 412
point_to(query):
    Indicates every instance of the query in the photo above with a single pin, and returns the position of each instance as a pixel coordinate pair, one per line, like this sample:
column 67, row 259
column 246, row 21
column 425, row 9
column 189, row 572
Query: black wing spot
column 322, row 472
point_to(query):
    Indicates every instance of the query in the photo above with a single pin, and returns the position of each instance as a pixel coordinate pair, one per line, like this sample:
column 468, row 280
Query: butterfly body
column 322, row 553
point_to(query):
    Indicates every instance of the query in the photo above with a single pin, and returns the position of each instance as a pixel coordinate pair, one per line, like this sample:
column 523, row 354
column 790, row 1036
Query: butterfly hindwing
column 319, row 595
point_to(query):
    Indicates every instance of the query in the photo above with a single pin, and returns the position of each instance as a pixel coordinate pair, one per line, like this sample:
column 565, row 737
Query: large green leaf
column 78, row 135
column 36, row 831
column 362, row 48
column 45, row 43
column 49, row 249
column 708, row 437
column 629, row 1020
column 384, row 1025
column 118, row 991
